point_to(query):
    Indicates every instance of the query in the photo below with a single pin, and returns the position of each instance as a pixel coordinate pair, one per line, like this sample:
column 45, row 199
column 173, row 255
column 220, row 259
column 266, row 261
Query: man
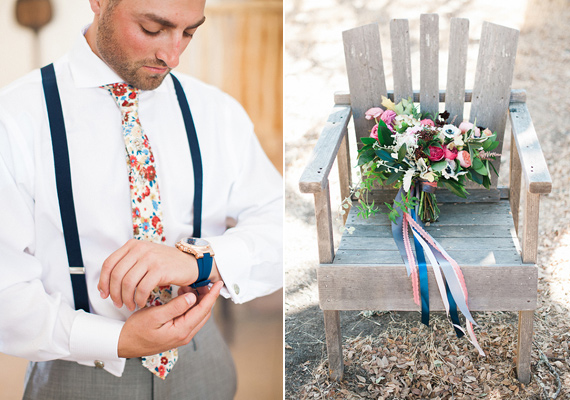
column 117, row 94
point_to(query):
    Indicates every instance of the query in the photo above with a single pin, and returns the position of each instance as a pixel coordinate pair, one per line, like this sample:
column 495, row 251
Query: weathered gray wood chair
column 367, row 272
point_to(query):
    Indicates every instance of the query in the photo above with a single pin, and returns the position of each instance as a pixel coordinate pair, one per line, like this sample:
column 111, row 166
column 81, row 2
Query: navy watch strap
column 204, row 269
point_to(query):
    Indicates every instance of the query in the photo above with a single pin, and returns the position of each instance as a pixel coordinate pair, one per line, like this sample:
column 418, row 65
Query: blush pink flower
column 464, row 159
column 388, row 117
column 436, row 153
column 374, row 132
column 427, row 122
column 465, row 126
column 374, row 112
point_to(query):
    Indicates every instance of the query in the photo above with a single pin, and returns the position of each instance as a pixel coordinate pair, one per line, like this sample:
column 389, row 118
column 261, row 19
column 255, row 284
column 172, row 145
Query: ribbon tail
column 423, row 276
column 453, row 313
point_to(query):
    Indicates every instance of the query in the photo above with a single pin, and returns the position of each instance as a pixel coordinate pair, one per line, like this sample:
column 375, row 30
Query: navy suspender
column 195, row 154
column 63, row 182
column 63, row 179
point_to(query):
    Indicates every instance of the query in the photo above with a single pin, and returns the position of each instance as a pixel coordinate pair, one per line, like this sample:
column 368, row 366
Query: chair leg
column 334, row 344
column 524, row 345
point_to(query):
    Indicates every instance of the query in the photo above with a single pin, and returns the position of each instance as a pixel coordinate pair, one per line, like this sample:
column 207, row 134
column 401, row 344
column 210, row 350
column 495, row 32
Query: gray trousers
column 204, row 370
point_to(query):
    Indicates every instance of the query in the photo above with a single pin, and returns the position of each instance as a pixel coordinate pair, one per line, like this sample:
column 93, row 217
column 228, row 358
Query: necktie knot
column 125, row 95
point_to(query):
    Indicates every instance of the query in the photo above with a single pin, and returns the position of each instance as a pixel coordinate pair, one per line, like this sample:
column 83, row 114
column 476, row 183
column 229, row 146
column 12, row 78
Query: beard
column 130, row 71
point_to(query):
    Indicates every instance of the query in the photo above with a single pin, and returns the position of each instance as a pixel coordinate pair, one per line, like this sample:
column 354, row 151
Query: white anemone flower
column 408, row 176
column 450, row 130
column 450, row 171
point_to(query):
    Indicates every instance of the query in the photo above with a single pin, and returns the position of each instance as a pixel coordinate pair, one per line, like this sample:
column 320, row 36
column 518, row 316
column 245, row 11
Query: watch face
column 196, row 241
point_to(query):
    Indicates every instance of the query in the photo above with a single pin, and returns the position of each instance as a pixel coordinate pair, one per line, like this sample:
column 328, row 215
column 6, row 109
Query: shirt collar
column 88, row 70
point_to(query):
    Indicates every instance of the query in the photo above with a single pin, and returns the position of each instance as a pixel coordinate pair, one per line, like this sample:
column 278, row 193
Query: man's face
column 141, row 40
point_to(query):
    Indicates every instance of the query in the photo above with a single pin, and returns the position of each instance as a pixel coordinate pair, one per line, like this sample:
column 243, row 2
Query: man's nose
column 170, row 52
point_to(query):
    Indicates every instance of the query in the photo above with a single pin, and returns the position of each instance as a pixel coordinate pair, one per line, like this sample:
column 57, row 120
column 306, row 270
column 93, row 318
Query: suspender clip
column 77, row 270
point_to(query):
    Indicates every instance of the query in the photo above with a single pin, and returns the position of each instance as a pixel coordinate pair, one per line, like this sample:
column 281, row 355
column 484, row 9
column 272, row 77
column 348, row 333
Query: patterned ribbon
column 145, row 202
column 448, row 275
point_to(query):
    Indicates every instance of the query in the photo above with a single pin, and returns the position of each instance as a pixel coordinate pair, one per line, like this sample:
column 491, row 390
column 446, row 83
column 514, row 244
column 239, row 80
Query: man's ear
column 96, row 6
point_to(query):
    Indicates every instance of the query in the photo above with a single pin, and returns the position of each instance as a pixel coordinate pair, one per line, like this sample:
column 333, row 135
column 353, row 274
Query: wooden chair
column 481, row 233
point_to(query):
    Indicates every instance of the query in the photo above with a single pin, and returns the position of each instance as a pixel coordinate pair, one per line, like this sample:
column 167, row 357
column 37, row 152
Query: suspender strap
column 64, row 190
column 195, row 153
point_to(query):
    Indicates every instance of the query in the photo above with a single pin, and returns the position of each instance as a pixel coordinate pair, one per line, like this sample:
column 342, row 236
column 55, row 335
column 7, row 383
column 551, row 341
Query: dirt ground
column 391, row 355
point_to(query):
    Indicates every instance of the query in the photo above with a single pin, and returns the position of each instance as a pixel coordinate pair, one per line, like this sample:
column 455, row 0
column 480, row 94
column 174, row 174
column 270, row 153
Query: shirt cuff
column 96, row 338
column 234, row 263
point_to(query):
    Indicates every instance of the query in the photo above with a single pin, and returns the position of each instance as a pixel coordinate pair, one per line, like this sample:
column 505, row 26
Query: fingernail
column 117, row 304
column 190, row 298
column 102, row 293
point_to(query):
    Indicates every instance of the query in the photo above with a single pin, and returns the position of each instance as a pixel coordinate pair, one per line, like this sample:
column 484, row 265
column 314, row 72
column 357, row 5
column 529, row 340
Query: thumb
column 178, row 306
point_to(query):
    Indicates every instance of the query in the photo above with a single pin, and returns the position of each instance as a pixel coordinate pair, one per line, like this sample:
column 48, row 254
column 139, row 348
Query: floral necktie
column 145, row 202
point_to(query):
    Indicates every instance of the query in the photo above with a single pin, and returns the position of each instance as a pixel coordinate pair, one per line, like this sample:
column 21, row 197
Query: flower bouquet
column 407, row 148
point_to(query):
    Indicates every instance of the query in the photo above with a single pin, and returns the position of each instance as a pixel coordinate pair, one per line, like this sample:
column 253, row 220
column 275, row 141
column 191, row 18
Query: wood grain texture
column 387, row 287
column 401, row 60
column 515, row 183
column 493, row 80
column 344, row 173
column 324, row 225
column 517, row 96
column 365, row 70
column 456, row 68
column 316, row 172
column 334, row 344
column 524, row 345
column 533, row 164
column 429, row 67
column 530, row 227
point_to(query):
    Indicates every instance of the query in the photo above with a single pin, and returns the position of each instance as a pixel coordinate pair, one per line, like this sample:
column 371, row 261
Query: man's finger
column 145, row 287
column 108, row 266
column 130, row 283
column 194, row 316
column 118, row 273
column 175, row 307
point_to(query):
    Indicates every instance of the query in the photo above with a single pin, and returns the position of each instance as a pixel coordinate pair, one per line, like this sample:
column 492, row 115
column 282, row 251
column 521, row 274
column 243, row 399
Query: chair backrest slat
column 456, row 69
column 493, row 81
column 429, row 54
column 365, row 70
column 401, row 60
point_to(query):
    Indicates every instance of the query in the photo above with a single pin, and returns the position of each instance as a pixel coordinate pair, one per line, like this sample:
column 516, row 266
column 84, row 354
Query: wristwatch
column 203, row 253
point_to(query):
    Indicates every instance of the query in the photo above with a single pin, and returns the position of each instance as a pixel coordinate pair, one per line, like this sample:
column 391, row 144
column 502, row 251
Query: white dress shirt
column 37, row 317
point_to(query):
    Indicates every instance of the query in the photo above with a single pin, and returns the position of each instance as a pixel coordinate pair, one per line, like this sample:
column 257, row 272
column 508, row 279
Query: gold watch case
column 195, row 246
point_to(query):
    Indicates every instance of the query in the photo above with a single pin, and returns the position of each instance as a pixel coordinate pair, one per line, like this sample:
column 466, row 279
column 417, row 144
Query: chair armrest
column 533, row 164
column 315, row 176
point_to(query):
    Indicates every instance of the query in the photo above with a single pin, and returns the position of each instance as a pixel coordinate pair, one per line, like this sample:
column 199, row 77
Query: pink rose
column 374, row 112
column 464, row 159
column 465, row 126
column 436, row 153
column 427, row 122
column 388, row 117
column 487, row 132
column 374, row 132
column 450, row 154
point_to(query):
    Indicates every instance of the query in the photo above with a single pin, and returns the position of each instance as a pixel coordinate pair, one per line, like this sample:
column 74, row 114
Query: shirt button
column 236, row 288
column 99, row 364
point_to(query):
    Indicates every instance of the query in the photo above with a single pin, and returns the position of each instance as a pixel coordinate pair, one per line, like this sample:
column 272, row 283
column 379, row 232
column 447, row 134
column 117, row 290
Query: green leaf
column 368, row 140
column 486, row 182
column 399, row 108
column 394, row 177
column 384, row 155
column 439, row 166
column 479, row 166
column 455, row 188
column 387, row 138
column 402, row 152
column 365, row 158
column 493, row 146
column 475, row 177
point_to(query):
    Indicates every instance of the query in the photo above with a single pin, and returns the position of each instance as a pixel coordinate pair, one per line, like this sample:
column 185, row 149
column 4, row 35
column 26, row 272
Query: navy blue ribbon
column 423, row 275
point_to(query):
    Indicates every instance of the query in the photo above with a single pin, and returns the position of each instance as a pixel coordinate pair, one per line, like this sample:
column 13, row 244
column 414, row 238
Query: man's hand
column 156, row 329
column 143, row 265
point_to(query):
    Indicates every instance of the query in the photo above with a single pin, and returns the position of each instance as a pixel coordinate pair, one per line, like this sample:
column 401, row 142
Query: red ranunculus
column 450, row 154
column 436, row 153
